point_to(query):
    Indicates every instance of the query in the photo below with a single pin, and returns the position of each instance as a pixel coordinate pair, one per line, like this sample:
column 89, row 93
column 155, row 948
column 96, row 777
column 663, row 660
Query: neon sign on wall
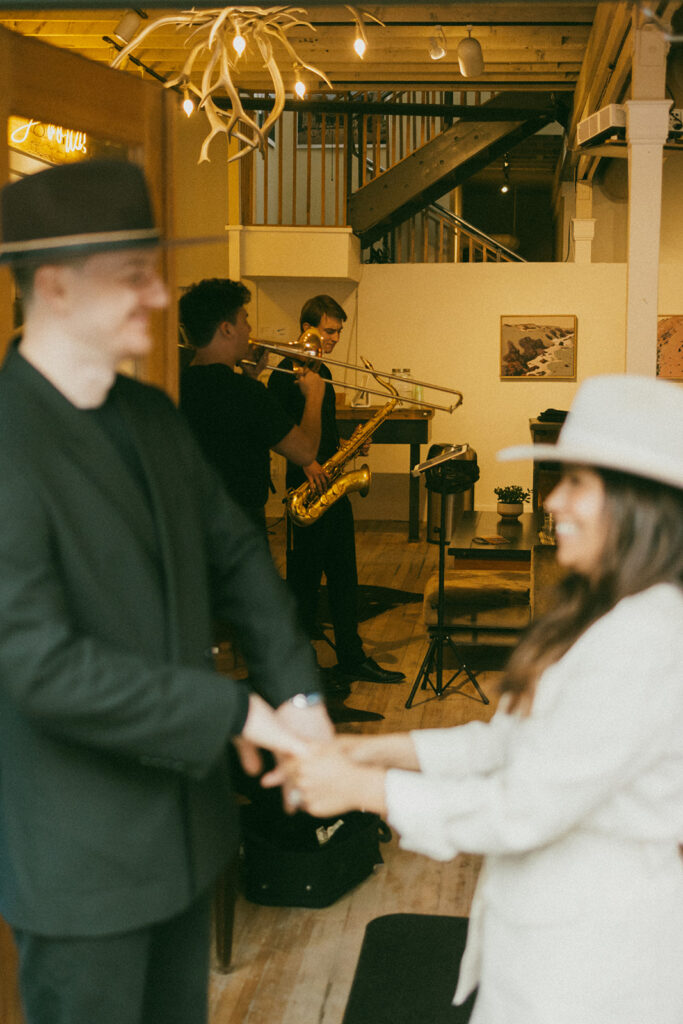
column 50, row 142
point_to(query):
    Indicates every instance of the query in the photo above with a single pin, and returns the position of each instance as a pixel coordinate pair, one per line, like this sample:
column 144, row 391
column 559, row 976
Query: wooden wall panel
column 10, row 1007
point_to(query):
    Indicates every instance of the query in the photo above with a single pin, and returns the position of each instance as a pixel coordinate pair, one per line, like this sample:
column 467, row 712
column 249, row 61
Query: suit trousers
column 156, row 975
column 328, row 546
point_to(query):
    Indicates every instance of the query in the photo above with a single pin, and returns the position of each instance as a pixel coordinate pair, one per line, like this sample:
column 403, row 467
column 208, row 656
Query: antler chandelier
column 220, row 35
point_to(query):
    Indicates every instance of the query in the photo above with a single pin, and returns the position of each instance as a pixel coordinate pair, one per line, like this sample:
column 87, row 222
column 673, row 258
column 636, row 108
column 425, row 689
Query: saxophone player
column 327, row 545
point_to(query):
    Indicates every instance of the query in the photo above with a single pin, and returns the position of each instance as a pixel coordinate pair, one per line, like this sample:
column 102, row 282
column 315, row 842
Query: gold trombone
column 308, row 350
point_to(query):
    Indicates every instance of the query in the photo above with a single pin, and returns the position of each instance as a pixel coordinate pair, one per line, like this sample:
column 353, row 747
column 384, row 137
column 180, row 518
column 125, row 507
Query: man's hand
column 260, row 358
column 311, row 385
column 310, row 724
column 365, row 447
column 263, row 729
column 316, row 476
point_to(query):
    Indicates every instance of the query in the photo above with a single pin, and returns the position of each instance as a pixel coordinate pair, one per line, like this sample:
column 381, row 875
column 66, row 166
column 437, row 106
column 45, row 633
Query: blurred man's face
column 109, row 298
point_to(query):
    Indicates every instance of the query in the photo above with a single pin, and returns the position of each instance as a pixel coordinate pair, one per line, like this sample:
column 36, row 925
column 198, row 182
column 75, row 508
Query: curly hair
column 644, row 546
column 207, row 304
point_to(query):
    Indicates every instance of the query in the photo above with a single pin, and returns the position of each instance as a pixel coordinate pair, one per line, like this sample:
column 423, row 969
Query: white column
column 583, row 224
column 583, row 231
column 647, row 125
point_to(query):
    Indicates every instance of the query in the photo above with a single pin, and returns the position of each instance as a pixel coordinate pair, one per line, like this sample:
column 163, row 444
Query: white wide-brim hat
column 623, row 422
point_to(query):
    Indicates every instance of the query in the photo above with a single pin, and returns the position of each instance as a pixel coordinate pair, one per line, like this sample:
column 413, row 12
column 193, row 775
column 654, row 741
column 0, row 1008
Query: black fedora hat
column 76, row 209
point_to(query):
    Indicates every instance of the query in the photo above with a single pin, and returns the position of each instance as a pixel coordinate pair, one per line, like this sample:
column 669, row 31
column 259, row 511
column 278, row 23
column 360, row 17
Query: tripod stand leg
column 468, row 672
column 425, row 669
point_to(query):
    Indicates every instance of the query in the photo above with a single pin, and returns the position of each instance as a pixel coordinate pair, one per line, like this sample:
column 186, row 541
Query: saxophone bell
column 304, row 504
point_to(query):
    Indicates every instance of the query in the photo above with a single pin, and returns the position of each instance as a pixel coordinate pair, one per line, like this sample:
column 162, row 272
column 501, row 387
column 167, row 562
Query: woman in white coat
column 574, row 790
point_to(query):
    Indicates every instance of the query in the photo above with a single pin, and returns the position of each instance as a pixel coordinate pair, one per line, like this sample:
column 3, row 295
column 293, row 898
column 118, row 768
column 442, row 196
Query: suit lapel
column 86, row 443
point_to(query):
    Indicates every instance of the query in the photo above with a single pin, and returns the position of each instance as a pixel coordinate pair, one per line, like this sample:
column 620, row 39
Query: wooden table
column 522, row 536
column 403, row 426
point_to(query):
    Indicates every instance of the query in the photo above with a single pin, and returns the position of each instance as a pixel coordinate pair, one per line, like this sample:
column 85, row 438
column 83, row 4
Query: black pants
column 156, row 975
column 328, row 546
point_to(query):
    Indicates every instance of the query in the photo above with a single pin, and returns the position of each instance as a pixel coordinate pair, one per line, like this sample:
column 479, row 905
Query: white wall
column 444, row 322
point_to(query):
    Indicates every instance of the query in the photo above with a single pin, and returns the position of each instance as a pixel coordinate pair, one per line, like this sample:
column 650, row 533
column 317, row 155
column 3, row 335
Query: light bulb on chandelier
column 239, row 44
column 300, row 88
column 188, row 102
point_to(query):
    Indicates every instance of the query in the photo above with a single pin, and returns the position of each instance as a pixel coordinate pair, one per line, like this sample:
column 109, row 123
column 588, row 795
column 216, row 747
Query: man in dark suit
column 118, row 547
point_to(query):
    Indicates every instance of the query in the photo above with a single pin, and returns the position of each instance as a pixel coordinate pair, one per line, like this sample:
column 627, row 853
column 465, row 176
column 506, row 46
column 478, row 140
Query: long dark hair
column 644, row 546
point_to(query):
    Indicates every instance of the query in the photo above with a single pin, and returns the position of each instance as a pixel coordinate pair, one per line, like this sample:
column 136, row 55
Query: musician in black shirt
column 328, row 545
column 234, row 418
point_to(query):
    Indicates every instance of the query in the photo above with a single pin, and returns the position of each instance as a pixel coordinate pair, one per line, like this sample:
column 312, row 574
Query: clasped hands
column 319, row 772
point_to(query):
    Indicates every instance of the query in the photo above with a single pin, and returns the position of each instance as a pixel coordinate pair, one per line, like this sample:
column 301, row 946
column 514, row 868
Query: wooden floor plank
column 296, row 966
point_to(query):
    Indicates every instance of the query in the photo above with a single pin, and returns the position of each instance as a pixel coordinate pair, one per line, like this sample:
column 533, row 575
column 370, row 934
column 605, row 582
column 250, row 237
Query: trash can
column 456, row 504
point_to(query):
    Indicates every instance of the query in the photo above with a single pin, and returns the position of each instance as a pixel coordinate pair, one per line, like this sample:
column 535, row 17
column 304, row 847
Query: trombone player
column 235, row 420
column 327, row 545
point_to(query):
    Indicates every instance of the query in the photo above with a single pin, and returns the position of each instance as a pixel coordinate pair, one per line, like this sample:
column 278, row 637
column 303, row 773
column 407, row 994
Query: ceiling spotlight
column 505, row 187
column 470, row 57
column 437, row 44
column 239, row 44
column 128, row 26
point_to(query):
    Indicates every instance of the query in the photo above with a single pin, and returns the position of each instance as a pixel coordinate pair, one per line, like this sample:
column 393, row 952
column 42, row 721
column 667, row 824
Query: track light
column 128, row 26
column 470, row 57
column 437, row 44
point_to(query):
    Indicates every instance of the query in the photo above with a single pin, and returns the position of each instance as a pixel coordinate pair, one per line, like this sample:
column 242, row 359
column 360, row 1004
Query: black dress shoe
column 339, row 712
column 371, row 672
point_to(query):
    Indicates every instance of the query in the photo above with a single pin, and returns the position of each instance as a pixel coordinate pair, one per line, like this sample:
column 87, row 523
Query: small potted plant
column 511, row 501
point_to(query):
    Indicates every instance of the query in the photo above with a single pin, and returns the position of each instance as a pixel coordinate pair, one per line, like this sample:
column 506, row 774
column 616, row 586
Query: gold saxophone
column 304, row 504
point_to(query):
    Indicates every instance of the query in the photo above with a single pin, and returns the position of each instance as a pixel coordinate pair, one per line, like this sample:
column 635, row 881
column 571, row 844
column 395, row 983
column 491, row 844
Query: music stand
column 444, row 475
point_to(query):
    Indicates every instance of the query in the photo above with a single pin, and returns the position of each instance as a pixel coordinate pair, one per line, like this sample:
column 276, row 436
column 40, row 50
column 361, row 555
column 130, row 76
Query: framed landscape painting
column 538, row 347
column 670, row 347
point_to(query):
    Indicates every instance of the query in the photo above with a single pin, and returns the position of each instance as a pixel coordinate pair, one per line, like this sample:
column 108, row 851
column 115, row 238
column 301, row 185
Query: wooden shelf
column 546, row 474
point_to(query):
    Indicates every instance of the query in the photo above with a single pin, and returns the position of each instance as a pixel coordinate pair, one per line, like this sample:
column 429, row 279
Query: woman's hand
column 323, row 782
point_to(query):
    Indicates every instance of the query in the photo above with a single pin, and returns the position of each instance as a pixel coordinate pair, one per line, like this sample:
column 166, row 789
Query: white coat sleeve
column 608, row 711
column 459, row 751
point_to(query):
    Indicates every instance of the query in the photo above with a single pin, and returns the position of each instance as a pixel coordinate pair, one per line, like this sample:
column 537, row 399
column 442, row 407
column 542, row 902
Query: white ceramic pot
column 510, row 511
